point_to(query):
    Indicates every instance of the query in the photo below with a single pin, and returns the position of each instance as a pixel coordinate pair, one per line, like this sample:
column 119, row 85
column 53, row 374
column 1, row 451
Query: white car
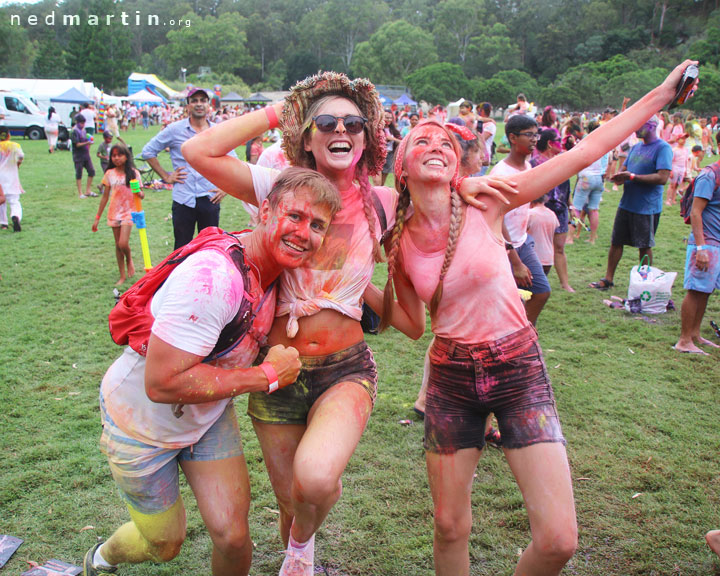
column 22, row 117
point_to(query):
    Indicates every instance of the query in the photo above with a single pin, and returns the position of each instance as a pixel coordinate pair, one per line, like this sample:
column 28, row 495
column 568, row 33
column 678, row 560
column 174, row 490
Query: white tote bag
column 651, row 286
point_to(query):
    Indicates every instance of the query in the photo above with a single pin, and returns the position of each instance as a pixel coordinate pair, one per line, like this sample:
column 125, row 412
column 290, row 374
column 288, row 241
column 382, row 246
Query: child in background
column 11, row 156
column 707, row 137
column 698, row 155
column 103, row 151
column 681, row 161
column 81, row 142
column 542, row 223
column 116, row 187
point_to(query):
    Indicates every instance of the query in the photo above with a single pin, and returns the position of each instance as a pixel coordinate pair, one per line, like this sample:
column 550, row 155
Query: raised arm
column 207, row 151
column 536, row 182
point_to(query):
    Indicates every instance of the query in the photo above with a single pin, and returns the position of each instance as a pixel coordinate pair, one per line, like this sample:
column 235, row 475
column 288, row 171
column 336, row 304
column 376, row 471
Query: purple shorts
column 506, row 377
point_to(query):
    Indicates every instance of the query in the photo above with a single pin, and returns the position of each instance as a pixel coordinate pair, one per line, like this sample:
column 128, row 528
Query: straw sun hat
column 361, row 91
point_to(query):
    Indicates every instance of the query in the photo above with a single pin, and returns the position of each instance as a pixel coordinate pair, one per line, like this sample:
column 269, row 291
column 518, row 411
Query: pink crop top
column 338, row 274
column 480, row 300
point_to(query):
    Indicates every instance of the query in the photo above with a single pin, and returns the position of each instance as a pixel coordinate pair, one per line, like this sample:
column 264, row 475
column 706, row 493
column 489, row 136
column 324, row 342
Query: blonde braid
column 388, row 295
column 369, row 209
column 456, row 220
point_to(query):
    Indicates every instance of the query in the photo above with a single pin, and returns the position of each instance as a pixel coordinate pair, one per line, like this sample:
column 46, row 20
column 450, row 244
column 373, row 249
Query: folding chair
column 146, row 171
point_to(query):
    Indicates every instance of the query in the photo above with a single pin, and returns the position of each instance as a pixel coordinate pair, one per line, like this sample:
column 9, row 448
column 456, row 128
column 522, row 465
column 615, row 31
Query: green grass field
column 641, row 420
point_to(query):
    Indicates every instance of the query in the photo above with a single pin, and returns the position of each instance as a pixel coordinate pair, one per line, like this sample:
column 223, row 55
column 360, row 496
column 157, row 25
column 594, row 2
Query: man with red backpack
column 702, row 262
column 167, row 402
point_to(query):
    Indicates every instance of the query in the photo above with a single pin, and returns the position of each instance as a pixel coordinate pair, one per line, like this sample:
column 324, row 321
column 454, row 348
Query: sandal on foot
column 602, row 284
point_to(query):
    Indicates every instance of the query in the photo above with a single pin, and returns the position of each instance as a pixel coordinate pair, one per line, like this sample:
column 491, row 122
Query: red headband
column 463, row 131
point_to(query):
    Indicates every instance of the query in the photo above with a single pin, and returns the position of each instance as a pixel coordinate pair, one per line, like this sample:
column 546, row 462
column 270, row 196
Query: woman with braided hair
column 309, row 431
column 486, row 357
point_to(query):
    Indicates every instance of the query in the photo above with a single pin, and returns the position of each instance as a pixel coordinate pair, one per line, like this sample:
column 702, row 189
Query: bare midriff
column 321, row 334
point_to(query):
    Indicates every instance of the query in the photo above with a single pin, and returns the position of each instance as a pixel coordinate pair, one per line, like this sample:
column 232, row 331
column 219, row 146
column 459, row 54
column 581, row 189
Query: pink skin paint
column 296, row 228
column 430, row 155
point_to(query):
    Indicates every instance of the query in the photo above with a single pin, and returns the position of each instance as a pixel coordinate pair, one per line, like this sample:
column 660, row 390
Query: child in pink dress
column 116, row 189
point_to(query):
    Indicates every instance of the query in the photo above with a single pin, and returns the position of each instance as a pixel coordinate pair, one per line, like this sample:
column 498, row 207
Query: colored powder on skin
column 357, row 157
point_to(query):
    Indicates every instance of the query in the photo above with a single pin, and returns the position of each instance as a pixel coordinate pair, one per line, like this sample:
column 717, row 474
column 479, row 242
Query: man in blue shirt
column 702, row 266
column 643, row 174
column 196, row 201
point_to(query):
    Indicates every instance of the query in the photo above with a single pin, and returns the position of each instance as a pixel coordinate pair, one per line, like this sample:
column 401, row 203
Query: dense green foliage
column 581, row 53
column 641, row 420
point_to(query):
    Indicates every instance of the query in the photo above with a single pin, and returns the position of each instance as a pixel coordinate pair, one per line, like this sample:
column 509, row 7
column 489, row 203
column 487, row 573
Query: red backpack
column 687, row 199
column 130, row 320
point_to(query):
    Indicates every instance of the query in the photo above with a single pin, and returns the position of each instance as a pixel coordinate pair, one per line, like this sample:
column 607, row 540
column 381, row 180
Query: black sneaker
column 16, row 224
column 89, row 569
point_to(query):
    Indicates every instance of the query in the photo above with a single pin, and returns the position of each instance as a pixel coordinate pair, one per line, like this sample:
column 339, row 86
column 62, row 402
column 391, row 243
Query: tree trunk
column 662, row 17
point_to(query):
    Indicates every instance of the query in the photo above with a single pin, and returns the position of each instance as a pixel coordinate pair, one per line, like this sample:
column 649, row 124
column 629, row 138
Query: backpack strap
column 382, row 217
column 238, row 327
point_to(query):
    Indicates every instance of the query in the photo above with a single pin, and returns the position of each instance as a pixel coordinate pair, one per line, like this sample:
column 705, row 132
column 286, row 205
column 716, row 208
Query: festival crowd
column 280, row 313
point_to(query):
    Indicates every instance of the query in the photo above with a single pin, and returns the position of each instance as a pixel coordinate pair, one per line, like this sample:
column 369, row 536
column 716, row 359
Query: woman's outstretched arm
column 534, row 183
column 207, row 152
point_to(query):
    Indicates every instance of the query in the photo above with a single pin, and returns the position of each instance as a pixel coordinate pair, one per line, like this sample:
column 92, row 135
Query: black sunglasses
column 327, row 123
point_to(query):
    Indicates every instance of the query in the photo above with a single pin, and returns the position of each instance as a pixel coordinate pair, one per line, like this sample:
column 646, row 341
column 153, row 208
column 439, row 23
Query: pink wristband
column 271, row 375
column 272, row 117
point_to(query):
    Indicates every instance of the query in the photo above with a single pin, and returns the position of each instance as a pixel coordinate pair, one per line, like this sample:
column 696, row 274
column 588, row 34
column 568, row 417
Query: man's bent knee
column 232, row 539
column 166, row 549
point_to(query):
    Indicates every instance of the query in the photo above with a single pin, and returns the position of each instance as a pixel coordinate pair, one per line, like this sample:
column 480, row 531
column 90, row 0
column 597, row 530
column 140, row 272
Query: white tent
column 144, row 96
column 42, row 90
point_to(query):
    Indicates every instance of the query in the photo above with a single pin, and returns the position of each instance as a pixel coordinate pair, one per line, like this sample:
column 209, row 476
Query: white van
column 22, row 116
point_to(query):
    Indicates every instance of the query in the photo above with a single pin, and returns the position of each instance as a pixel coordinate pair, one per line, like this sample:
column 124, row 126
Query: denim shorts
column 291, row 405
column 588, row 190
column 702, row 281
column 526, row 253
column 157, row 490
column 506, row 377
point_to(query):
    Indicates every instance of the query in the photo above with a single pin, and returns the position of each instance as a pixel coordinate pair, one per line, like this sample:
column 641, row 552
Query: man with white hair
column 644, row 173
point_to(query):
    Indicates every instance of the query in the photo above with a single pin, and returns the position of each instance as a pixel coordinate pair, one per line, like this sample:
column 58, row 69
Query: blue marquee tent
column 405, row 100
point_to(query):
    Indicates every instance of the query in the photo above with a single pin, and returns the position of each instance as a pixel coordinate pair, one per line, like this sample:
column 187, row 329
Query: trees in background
column 587, row 53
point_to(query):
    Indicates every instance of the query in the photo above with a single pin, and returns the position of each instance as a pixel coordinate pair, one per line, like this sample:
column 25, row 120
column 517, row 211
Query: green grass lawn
column 641, row 420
